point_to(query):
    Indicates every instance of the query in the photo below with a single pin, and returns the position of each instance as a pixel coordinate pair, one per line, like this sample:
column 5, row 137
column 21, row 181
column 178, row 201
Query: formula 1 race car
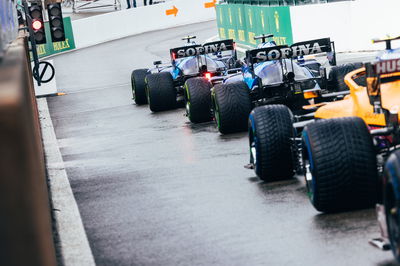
column 348, row 151
column 272, row 75
column 197, row 90
column 163, row 86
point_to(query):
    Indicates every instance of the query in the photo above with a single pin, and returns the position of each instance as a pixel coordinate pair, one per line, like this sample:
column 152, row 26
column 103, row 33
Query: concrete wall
column 115, row 25
column 352, row 25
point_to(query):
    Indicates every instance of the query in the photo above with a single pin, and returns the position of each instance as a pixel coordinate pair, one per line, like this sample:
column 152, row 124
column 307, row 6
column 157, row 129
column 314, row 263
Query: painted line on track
column 74, row 245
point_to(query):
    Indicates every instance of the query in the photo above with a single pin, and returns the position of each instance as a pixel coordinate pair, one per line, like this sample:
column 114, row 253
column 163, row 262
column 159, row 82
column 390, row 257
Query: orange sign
column 210, row 4
column 173, row 11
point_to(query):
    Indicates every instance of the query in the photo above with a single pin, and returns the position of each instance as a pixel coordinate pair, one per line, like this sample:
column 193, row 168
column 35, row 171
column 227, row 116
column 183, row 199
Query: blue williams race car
column 272, row 74
column 163, row 86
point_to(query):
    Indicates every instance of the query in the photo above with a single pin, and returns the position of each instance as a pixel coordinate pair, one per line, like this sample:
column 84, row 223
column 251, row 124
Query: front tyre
column 198, row 100
column 391, row 201
column 139, row 86
column 161, row 93
column 271, row 139
column 232, row 106
column 340, row 165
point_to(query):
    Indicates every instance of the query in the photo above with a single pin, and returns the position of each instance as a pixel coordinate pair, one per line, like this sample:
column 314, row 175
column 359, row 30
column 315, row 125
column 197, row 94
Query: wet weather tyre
column 232, row 106
column 271, row 136
column 391, row 201
column 337, row 75
column 139, row 86
column 340, row 165
column 198, row 100
column 161, row 93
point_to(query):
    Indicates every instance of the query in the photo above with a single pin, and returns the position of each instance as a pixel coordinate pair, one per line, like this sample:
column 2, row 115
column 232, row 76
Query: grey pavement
column 152, row 189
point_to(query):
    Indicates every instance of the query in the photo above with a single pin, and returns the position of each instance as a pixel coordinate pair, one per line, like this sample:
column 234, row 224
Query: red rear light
column 207, row 75
column 173, row 56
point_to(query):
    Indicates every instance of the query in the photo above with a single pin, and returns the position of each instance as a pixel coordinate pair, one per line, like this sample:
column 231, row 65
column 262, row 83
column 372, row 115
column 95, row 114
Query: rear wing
column 207, row 48
column 186, row 51
column 219, row 46
column 374, row 71
column 312, row 47
column 268, row 54
column 388, row 41
column 384, row 67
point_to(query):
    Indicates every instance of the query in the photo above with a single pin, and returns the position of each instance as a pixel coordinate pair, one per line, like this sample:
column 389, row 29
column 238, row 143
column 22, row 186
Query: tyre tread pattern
column 344, row 164
column 234, row 106
column 139, row 86
column 161, row 92
column 199, row 97
column 274, row 132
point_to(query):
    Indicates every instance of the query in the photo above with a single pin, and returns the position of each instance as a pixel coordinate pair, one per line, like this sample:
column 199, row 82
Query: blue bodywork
column 189, row 66
column 388, row 54
column 270, row 72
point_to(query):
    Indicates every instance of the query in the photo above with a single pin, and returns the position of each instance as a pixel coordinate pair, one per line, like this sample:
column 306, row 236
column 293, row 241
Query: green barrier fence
column 242, row 22
column 50, row 48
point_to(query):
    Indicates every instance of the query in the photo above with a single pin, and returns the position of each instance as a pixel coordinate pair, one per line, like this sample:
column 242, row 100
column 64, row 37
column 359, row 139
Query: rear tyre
column 337, row 74
column 161, row 93
column 139, row 86
column 232, row 106
column 271, row 136
column 340, row 165
column 391, row 200
column 198, row 100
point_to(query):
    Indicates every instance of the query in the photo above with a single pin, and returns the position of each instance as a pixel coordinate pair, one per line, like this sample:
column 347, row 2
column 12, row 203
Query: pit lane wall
column 351, row 24
column 115, row 25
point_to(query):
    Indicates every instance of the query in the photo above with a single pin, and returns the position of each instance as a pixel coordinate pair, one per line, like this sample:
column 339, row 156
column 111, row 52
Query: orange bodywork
column 357, row 102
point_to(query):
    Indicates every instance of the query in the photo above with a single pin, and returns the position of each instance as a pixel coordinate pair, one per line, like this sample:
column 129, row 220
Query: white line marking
column 75, row 248
column 212, row 39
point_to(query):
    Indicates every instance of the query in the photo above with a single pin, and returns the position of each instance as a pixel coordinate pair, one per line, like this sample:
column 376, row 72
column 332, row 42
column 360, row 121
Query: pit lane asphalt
column 153, row 189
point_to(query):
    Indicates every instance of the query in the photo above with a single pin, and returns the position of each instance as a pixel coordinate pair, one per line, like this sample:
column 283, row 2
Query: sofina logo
column 276, row 15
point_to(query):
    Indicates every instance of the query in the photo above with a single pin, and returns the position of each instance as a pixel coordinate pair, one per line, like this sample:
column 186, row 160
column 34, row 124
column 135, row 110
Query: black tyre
column 139, row 86
column 271, row 142
column 391, row 200
column 338, row 73
column 161, row 93
column 340, row 165
column 232, row 106
column 198, row 100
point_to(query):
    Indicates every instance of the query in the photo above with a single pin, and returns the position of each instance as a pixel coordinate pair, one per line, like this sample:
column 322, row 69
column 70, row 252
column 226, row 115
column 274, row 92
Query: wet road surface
column 153, row 189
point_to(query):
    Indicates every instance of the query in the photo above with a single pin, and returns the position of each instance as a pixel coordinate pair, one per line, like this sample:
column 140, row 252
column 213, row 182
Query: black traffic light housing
column 37, row 23
column 56, row 22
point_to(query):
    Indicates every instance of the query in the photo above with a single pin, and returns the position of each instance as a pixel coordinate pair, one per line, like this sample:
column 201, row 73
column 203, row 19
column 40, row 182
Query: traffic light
column 56, row 22
column 37, row 24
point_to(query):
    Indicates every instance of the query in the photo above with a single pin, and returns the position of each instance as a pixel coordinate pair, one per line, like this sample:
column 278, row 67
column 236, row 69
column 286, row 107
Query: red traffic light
column 37, row 24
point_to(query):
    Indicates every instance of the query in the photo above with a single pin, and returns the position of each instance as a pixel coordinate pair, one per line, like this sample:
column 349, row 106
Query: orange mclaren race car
column 348, row 150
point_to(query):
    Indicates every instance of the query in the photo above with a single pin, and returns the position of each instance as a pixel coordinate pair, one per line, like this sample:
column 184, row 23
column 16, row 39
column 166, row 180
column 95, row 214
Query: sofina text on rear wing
column 197, row 49
column 186, row 51
column 317, row 46
column 219, row 46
